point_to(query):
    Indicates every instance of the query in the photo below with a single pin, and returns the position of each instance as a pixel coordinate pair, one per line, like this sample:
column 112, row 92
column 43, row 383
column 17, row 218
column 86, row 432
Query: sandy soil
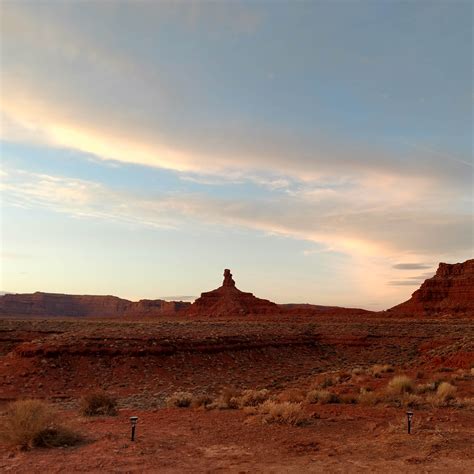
column 60, row 360
column 342, row 439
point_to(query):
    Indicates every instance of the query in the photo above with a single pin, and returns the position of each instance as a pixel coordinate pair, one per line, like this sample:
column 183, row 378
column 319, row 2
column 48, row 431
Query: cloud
column 131, row 107
column 340, row 224
column 405, row 283
column 411, row 266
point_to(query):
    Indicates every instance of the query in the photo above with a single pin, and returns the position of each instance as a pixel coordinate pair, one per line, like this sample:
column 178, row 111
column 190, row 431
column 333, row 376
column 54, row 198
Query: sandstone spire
column 228, row 300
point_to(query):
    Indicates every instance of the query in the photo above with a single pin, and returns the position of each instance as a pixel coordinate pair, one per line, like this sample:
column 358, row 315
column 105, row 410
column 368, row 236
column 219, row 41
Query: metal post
column 409, row 418
column 133, row 421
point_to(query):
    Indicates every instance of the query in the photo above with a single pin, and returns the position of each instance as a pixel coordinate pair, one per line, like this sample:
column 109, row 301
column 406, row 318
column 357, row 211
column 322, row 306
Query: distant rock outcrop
column 230, row 301
column 56, row 304
column 450, row 291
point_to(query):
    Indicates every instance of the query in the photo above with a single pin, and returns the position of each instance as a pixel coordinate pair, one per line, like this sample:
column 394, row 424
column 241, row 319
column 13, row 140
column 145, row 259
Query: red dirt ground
column 143, row 362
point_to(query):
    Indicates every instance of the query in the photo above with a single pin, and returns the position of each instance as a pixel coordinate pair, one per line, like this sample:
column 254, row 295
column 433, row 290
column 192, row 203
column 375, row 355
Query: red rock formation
column 230, row 301
column 55, row 304
column 450, row 291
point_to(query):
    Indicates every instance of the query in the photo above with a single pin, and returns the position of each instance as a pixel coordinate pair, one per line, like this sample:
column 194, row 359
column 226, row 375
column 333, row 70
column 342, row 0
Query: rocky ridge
column 56, row 304
column 450, row 291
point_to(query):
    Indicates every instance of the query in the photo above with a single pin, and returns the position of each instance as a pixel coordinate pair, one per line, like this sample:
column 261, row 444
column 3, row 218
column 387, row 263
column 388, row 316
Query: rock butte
column 450, row 291
column 229, row 300
column 56, row 304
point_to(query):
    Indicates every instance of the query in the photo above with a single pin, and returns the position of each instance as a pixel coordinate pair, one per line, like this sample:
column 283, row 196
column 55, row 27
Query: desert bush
column 201, row 401
column 322, row 397
column 98, row 404
column 348, row 398
column 287, row 413
column 378, row 369
column 358, row 371
column 425, row 388
column 400, row 384
column 327, row 382
column 410, row 400
column 292, row 395
column 343, row 376
column 251, row 398
column 180, row 400
column 446, row 392
column 369, row 398
column 33, row 423
column 228, row 399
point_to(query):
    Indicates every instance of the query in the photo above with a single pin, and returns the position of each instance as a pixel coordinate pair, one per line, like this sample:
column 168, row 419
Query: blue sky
column 316, row 148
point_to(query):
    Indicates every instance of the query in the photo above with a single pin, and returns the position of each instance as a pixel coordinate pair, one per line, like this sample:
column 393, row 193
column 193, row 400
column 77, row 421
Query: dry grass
column 292, row 395
column 446, row 391
column 179, row 400
column 410, row 400
column 32, row 423
column 358, row 371
column 227, row 400
column 327, row 382
column 252, row 398
column 426, row 388
column 322, row 397
column 348, row 398
column 369, row 398
column 201, row 401
column 286, row 413
column 401, row 384
column 98, row 404
column 378, row 369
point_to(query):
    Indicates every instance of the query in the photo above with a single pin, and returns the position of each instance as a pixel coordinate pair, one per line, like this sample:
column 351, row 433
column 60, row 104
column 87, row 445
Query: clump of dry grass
column 252, row 398
column 410, row 400
column 327, row 382
column 227, row 400
column 180, row 400
column 348, row 398
column 358, row 371
column 379, row 369
column 426, row 388
column 98, row 404
column 322, row 397
column 370, row 398
column 286, row 413
column 292, row 395
column 446, row 392
column 201, row 401
column 400, row 384
column 32, row 423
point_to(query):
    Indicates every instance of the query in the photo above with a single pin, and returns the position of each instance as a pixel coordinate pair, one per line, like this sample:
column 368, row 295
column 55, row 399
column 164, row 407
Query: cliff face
column 450, row 291
column 230, row 301
column 54, row 304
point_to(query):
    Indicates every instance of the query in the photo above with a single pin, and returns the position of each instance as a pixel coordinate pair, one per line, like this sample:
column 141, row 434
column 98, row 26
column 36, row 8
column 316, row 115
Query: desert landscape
column 234, row 383
column 236, row 236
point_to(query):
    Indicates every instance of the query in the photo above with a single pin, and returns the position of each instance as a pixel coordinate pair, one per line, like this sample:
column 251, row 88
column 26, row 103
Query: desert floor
column 142, row 363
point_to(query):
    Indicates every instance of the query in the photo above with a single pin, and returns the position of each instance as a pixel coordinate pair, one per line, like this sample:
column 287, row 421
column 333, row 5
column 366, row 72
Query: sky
column 321, row 150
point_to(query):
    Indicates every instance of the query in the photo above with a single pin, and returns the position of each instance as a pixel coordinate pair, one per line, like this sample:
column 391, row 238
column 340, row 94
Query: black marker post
column 133, row 421
column 409, row 418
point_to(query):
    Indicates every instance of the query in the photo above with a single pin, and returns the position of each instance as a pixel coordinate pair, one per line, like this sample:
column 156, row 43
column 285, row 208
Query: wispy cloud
column 339, row 224
column 411, row 266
